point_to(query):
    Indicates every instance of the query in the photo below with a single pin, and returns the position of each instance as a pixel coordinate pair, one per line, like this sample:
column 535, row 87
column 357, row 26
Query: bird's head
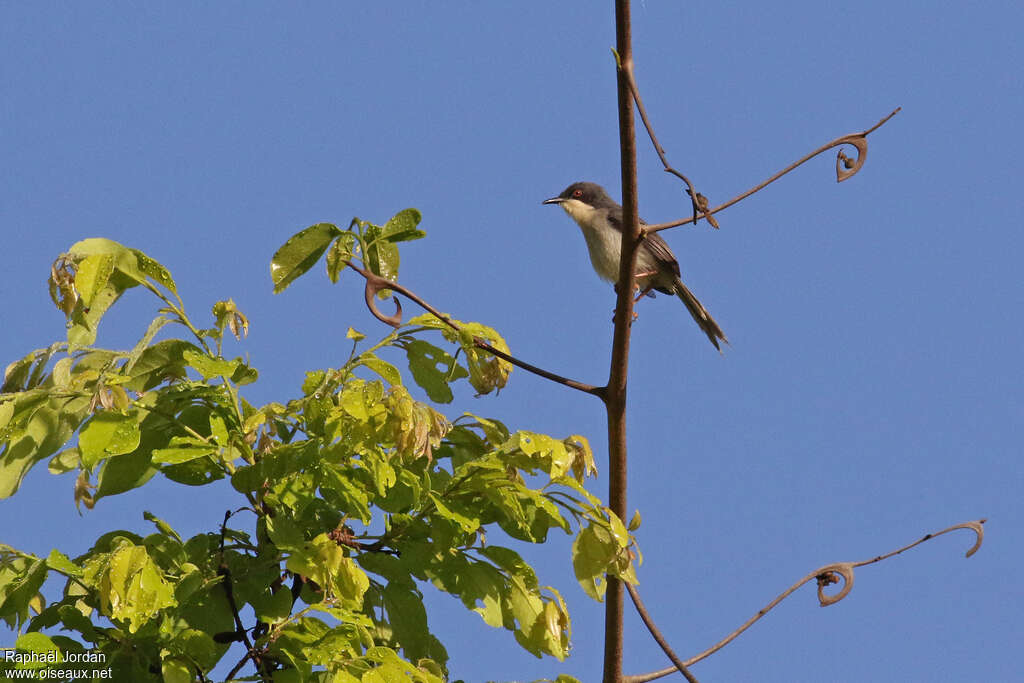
column 580, row 199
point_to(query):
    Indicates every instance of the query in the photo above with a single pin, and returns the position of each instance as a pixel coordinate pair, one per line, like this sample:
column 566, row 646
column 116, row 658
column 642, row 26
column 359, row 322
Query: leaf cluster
column 352, row 497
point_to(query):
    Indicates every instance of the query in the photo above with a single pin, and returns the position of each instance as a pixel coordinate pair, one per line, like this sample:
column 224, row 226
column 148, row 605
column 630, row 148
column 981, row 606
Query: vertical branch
column 615, row 397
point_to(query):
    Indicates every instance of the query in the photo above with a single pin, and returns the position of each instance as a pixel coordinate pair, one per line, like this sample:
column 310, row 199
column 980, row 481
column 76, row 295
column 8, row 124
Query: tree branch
column 845, row 168
column 375, row 283
column 656, row 633
column 615, row 394
column 825, row 576
column 240, row 632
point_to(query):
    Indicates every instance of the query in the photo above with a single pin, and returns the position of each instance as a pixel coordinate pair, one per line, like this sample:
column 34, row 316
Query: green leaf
column 404, row 494
column 582, row 457
column 300, row 253
column 345, row 493
column 324, row 561
column 134, row 469
column 487, row 372
column 20, row 581
column 402, row 226
column 208, row 366
column 6, row 412
column 549, row 632
column 131, row 265
column 383, row 368
column 198, row 646
column 107, row 434
column 175, row 670
column 161, row 525
column 154, row 270
column 183, row 449
column 37, row 644
column 93, row 273
column 480, row 587
column 285, row 534
column 144, row 343
column 60, row 562
column 85, row 320
column 433, row 369
column 226, row 314
column 39, row 427
column 160, row 363
column 353, row 400
column 219, row 430
column 67, row 460
column 494, row 431
column 634, row 523
column 131, row 586
column 408, row 619
column 274, row 607
column 98, row 245
column 592, row 551
column 244, row 374
column 513, row 563
column 463, row 518
column 62, row 372
column 341, row 252
column 383, row 259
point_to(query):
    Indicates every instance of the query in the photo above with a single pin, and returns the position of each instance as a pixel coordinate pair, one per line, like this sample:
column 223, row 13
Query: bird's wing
column 660, row 250
column 653, row 242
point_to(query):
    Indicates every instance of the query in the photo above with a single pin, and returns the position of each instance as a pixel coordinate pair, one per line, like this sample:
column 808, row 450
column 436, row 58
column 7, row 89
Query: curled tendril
column 375, row 284
column 828, row 577
column 845, row 166
column 978, row 529
column 825, row 576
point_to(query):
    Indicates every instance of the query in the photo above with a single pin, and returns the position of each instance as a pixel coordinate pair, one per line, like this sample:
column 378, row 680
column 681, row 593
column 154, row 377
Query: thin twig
column 700, row 208
column 646, row 617
column 376, row 283
column 225, row 574
column 825, row 576
column 850, row 167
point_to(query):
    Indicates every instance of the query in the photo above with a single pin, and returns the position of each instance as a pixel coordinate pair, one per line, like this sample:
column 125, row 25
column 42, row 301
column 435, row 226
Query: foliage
column 352, row 497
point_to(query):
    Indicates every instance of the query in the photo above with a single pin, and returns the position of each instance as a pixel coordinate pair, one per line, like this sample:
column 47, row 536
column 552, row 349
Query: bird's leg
column 616, row 286
column 645, row 291
column 642, row 294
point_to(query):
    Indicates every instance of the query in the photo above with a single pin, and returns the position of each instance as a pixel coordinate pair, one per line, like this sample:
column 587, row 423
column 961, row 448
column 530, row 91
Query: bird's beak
column 553, row 200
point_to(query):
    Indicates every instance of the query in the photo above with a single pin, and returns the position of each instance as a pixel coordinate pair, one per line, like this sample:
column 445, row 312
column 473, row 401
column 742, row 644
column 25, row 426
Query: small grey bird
column 600, row 219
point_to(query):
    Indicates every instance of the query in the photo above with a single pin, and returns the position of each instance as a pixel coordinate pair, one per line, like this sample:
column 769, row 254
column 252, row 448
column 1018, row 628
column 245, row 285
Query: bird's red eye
column 577, row 193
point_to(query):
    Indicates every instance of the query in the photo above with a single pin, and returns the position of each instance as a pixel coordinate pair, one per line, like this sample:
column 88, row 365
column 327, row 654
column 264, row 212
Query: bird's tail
column 700, row 314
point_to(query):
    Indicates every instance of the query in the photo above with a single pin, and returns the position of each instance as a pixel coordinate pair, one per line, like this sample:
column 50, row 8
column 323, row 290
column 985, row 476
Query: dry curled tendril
column 843, row 571
column 825, row 576
column 375, row 283
column 846, row 167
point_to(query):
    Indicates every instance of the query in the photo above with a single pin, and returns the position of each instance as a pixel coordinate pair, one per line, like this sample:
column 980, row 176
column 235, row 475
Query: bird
column 600, row 219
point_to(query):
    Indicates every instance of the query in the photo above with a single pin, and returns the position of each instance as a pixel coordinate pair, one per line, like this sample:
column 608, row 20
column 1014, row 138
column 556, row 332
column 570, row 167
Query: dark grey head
column 590, row 194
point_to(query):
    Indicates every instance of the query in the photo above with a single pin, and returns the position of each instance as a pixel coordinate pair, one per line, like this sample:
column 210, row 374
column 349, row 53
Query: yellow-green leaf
column 341, row 252
column 93, row 273
column 299, row 253
column 107, row 434
column 208, row 366
column 402, row 226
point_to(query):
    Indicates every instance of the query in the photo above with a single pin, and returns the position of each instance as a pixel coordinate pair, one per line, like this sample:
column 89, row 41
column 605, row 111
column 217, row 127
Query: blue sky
column 872, row 392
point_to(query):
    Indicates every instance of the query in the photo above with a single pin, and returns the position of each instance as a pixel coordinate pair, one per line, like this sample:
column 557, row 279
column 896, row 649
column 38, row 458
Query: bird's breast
column 604, row 247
